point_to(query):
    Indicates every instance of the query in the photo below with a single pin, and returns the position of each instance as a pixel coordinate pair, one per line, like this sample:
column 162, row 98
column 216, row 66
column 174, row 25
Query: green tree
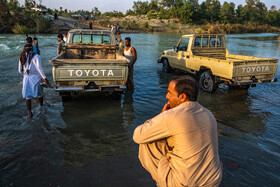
column 28, row 4
column 129, row 12
column 96, row 12
column 164, row 14
column 240, row 14
column 255, row 11
column 212, row 10
column 141, row 7
column 227, row 12
column 186, row 12
column 152, row 14
column 154, row 5
column 167, row 3
column 195, row 9
column 4, row 17
column 260, row 12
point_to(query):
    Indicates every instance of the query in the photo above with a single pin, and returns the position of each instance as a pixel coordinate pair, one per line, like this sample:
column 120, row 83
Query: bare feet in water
column 30, row 114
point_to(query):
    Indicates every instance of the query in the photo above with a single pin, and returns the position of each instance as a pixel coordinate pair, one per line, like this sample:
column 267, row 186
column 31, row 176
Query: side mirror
column 176, row 48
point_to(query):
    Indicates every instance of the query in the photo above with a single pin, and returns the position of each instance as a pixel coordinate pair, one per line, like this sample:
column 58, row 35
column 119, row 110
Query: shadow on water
column 96, row 128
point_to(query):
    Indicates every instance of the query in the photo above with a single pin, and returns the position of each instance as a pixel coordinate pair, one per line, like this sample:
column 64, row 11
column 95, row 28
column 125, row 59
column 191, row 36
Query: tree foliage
column 211, row 11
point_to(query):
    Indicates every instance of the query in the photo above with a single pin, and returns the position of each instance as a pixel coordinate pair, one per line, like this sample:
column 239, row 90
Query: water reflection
column 96, row 128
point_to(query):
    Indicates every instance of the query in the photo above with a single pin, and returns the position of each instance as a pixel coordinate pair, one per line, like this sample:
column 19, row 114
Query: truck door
column 183, row 54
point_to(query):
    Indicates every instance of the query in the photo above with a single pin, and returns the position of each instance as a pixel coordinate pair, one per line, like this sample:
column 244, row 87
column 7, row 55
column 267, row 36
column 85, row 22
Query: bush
column 152, row 14
column 130, row 25
column 164, row 14
column 146, row 24
column 20, row 29
column 42, row 25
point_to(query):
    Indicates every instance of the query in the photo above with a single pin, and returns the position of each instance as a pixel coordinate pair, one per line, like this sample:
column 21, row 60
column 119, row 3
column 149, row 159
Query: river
column 88, row 141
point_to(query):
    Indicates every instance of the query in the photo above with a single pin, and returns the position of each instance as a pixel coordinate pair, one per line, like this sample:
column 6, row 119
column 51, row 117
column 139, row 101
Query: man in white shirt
column 179, row 147
column 30, row 68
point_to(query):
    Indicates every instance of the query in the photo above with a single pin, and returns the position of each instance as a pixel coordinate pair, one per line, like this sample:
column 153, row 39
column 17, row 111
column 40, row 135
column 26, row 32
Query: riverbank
column 136, row 24
column 141, row 24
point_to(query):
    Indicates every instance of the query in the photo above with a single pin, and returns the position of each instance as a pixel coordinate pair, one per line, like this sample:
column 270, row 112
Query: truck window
column 205, row 42
column 86, row 39
column 183, row 46
column 106, row 39
column 197, row 42
column 219, row 42
column 76, row 38
column 96, row 39
column 213, row 42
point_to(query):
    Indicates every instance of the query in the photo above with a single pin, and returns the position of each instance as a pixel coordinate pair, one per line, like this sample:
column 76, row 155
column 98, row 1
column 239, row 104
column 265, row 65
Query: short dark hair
column 128, row 38
column 60, row 36
column 187, row 85
column 29, row 40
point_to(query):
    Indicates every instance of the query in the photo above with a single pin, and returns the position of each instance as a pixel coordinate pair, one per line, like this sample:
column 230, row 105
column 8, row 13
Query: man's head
column 29, row 40
column 60, row 38
column 65, row 35
column 182, row 89
column 127, row 42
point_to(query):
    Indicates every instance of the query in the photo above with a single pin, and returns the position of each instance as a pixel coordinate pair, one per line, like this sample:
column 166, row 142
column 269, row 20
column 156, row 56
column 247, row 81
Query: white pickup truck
column 206, row 56
column 90, row 62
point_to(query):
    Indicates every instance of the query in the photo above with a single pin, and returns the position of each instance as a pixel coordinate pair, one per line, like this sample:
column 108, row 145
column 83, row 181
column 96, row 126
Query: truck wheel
column 207, row 82
column 165, row 66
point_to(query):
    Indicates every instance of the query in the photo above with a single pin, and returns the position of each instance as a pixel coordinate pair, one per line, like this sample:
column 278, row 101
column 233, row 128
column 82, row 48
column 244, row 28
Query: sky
column 119, row 5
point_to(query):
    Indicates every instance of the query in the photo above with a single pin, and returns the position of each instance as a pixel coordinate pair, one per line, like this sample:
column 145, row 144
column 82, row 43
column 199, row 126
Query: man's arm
column 59, row 48
column 39, row 68
column 152, row 130
column 134, row 54
column 20, row 69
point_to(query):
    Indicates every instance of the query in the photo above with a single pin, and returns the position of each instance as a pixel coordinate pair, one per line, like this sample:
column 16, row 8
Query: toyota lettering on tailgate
column 255, row 69
column 87, row 73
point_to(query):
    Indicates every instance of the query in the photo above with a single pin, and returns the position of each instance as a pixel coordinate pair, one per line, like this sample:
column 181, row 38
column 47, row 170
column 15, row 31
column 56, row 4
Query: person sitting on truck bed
column 131, row 54
column 179, row 147
column 61, row 44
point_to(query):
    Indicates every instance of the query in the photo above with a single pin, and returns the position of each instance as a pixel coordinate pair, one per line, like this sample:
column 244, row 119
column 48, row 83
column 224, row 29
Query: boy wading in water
column 30, row 68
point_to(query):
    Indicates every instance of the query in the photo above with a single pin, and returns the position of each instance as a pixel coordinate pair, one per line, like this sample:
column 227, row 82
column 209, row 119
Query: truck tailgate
column 253, row 68
column 90, row 70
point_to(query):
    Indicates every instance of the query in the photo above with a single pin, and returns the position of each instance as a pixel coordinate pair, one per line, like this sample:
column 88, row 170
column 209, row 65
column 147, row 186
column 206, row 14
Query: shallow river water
column 88, row 141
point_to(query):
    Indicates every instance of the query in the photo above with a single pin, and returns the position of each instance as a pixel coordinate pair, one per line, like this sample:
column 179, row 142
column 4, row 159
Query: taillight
column 270, row 75
column 238, row 78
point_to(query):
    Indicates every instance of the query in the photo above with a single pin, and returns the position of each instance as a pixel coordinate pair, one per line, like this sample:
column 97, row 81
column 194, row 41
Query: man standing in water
column 131, row 54
column 179, row 147
column 30, row 68
column 61, row 43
